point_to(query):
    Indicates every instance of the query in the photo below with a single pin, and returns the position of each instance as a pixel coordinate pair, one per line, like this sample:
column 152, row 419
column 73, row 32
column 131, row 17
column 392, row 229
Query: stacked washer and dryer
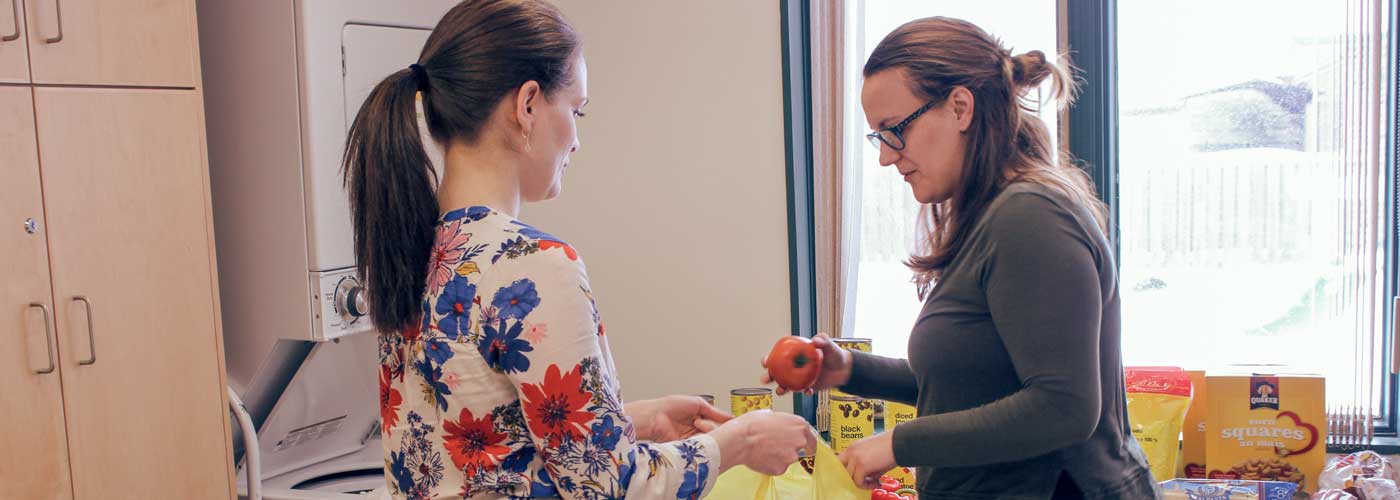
column 283, row 80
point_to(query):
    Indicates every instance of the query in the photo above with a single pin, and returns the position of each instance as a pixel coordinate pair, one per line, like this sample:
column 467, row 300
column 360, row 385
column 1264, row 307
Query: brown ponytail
column 479, row 52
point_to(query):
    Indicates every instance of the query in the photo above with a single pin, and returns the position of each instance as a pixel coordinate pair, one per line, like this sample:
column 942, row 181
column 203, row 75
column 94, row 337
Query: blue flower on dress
column 605, row 434
column 534, row 234
column 596, row 461
column 455, row 306
column 545, row 241
column 567, row 482
column 503, row 349
column 543, row 486
column 519, row 460
column 432, row 381
column 516, row 248
column 694, row 483
column 517, row 300
column 470, row 214
column 627, row 468
column 397, row 468
column 689, row 450
column 437, row 351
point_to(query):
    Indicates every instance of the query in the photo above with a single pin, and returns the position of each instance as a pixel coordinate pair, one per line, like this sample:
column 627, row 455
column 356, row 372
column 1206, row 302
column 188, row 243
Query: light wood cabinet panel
column 34, row 464
column 14, row 54
column 113, row 42
column 125, row 192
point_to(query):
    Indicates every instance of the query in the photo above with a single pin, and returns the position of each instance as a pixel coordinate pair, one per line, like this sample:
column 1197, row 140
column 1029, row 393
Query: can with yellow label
column 852, row 419
column 862, row 345
column 742, row 401
column 895, row 414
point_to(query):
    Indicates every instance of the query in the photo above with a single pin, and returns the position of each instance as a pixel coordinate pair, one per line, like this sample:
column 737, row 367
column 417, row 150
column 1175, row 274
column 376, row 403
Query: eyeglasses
column 894, row 136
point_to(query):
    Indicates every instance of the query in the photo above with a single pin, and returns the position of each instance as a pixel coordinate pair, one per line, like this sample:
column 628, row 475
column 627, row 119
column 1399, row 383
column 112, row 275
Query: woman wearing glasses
column 1014, row 361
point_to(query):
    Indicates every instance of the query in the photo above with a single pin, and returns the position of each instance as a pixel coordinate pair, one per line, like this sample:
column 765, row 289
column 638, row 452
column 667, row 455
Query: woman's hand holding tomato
column 832, row 365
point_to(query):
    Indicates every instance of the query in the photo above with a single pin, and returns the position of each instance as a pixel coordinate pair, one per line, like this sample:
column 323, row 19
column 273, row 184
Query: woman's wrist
column 733, row 439
column 641, row 413
column 848, row 361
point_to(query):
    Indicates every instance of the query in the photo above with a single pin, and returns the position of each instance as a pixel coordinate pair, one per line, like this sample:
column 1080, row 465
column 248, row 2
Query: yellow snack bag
column 1157, row 401
column 1192, row 464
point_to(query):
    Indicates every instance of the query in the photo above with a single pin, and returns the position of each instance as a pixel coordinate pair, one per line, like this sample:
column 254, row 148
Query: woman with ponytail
column 1014, row 362
column 495, row 377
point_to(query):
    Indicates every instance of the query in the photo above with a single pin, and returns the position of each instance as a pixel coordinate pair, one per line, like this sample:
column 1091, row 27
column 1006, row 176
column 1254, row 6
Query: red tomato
column 794, row 363
column 889, row 484
column 879, row 494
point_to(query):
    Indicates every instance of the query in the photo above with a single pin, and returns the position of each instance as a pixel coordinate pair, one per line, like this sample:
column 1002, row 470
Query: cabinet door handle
column 48, row 335
column 58, row 14
column 92, row 344
column 15, row 35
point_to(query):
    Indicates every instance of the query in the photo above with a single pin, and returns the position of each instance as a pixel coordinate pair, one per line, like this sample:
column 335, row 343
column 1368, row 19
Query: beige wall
column 677, row 198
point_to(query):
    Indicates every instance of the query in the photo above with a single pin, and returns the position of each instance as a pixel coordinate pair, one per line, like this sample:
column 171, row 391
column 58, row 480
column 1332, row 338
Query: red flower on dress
column 568, row 250
column 555, row 408
column 389, row 401
column 473, row 444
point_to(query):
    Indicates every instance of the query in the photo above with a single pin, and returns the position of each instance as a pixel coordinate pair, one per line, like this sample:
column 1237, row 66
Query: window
column 885, row 303
column 1250, row 186
column 1252, row 180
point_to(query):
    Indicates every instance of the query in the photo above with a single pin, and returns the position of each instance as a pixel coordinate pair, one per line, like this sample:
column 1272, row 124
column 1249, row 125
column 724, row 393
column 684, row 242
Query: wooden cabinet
column 130, row 248
column 14, row 53
column 35, row 462
column 147, row 43
column 111, row 360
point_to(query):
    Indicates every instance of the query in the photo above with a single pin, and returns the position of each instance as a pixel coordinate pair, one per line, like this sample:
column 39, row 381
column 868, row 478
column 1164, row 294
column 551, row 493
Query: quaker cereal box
column 1192, row 463
column 1266, row 427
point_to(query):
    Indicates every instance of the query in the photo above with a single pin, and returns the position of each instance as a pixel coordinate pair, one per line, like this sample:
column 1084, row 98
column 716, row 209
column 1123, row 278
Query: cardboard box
column 1193, row 489
column 1266, row 426
column 1192, row 463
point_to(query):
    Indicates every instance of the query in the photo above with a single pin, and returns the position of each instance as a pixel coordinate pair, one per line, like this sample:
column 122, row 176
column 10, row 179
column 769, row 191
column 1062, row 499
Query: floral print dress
column 507, row 389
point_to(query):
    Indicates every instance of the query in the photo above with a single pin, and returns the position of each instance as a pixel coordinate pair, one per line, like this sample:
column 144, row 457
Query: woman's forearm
column 884, row 378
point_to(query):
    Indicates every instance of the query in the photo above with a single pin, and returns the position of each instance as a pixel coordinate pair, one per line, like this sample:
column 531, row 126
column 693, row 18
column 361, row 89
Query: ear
column 527, row 100
column 962, row 105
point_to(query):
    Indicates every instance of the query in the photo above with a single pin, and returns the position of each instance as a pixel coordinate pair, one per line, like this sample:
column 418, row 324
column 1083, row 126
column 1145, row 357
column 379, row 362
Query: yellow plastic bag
column 1157, row 401
column 827, row 480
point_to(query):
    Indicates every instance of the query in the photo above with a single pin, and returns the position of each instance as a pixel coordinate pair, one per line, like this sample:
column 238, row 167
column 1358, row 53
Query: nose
column 888, row 155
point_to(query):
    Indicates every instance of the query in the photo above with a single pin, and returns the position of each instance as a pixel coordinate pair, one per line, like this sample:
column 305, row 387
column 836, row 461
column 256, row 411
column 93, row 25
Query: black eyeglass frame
column 897, row 130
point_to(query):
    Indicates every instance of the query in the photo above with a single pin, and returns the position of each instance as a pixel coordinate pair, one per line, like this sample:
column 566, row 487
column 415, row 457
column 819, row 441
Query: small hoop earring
column 527, row 141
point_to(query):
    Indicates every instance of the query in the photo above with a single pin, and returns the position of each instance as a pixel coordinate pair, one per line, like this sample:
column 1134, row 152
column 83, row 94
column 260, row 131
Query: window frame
column 797, row 114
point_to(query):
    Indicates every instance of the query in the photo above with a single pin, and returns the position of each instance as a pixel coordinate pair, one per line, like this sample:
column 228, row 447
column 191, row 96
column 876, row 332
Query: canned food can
column 709, row 399
column 742, row 401
column 895, row 414
column 854, row 344
column 898, row 413
column 852, row 419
